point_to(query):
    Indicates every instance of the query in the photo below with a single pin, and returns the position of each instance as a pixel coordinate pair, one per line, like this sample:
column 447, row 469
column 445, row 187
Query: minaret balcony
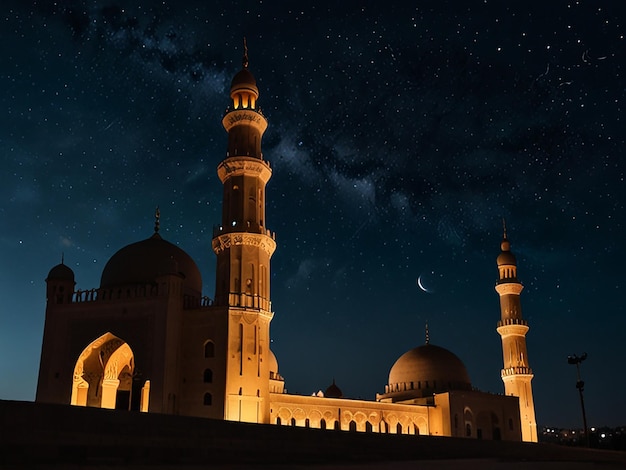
column 231, row 109
column 226, row 239
column 512, row 321
column 239, row 299
column 244, row 166
column 509, row 287
column 244, row 117
column 519, row 370
column 248, row 228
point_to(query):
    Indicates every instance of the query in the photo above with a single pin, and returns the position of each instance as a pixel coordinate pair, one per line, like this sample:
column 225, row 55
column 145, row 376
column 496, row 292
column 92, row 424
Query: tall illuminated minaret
column 244, row 247
column 516, row 373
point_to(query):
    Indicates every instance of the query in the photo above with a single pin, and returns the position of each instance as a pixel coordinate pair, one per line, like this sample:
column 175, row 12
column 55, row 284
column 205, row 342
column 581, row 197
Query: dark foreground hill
column 41, row 436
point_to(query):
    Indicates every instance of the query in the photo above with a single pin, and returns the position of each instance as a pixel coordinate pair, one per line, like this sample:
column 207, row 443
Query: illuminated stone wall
column 348, row 415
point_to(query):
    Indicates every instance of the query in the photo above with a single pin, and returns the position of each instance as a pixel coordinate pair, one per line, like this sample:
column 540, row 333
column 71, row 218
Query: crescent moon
column 420, row 285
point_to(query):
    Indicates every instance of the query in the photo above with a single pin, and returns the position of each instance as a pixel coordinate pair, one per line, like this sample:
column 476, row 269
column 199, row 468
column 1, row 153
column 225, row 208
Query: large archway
column 103, row 376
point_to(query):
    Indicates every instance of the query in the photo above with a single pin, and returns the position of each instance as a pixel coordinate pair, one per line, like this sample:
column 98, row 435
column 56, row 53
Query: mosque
column 148, row 340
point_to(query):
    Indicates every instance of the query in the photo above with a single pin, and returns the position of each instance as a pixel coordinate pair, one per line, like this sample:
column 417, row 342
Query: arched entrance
column 103, row 376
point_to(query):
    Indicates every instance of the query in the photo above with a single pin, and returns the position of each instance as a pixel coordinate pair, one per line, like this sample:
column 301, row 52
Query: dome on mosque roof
column 143, row 262
column 430, row 369
column 61, row 272
column 273, row 362
column 333, row 391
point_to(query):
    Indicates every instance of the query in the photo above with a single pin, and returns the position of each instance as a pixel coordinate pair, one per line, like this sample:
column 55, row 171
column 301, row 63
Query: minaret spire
column 427, row 333
column 512, row 327
column 157, row 219
column 244, row 61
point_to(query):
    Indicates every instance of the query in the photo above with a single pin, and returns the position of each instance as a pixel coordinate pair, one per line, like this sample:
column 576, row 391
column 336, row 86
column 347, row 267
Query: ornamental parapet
column 231, row 109
column 509, row 371
column 227, row 240
column 241, row 165
column 249, row 301
column 139, row 292
column 248, row 227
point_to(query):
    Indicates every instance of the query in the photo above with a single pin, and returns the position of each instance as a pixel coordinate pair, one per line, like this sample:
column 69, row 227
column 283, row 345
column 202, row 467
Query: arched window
column 399, row 428
column 368, row 426
column 337, row 426
column 468, row 430
column 209, row 349
column 208, row 399
column 352, row 426
column 293, row 421
column 322, row 423
column 307, row 423
column 208, row 376
column 278, row 420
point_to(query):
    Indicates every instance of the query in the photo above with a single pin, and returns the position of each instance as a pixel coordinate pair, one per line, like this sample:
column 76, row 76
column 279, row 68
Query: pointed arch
column 103, row 374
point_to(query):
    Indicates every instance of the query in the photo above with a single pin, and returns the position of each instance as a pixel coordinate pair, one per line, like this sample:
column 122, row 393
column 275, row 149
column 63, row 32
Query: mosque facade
column 148, row 340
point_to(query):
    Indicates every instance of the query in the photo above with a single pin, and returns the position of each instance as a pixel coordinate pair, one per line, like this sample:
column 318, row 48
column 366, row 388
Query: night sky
column 399, row 137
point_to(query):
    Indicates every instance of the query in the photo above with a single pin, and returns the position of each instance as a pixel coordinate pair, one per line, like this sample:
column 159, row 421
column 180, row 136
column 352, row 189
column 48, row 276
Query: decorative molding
column 509, row 288
column 244, row 117
column 227, row 240
column 515, row 330
column 235, row 166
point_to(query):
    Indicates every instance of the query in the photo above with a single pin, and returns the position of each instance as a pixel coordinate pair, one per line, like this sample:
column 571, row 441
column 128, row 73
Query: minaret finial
column 157, row 220
column 504, row 227
column 62, row 258
column 245, row 53
column 427, row 333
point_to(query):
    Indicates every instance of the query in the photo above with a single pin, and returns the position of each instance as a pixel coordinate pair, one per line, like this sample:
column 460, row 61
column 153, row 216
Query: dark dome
column 144, row 261
column 333, row 391
column 61, row 272
column 244, row 80
column 429, row 368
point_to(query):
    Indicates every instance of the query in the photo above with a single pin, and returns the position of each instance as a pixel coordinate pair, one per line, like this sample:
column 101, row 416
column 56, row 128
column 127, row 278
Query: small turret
column 60, row 284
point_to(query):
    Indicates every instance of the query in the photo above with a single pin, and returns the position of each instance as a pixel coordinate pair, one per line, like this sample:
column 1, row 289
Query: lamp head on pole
column 574, row 359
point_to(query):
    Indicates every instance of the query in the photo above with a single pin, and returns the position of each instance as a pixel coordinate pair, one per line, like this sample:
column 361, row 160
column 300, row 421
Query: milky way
column 399, row 138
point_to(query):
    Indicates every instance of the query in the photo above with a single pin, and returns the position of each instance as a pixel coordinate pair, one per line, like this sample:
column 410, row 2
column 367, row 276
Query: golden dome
column 428, row 369
column 143, row 262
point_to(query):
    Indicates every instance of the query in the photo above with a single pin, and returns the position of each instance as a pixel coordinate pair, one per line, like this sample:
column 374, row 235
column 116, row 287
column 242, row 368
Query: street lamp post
column 580, row 385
